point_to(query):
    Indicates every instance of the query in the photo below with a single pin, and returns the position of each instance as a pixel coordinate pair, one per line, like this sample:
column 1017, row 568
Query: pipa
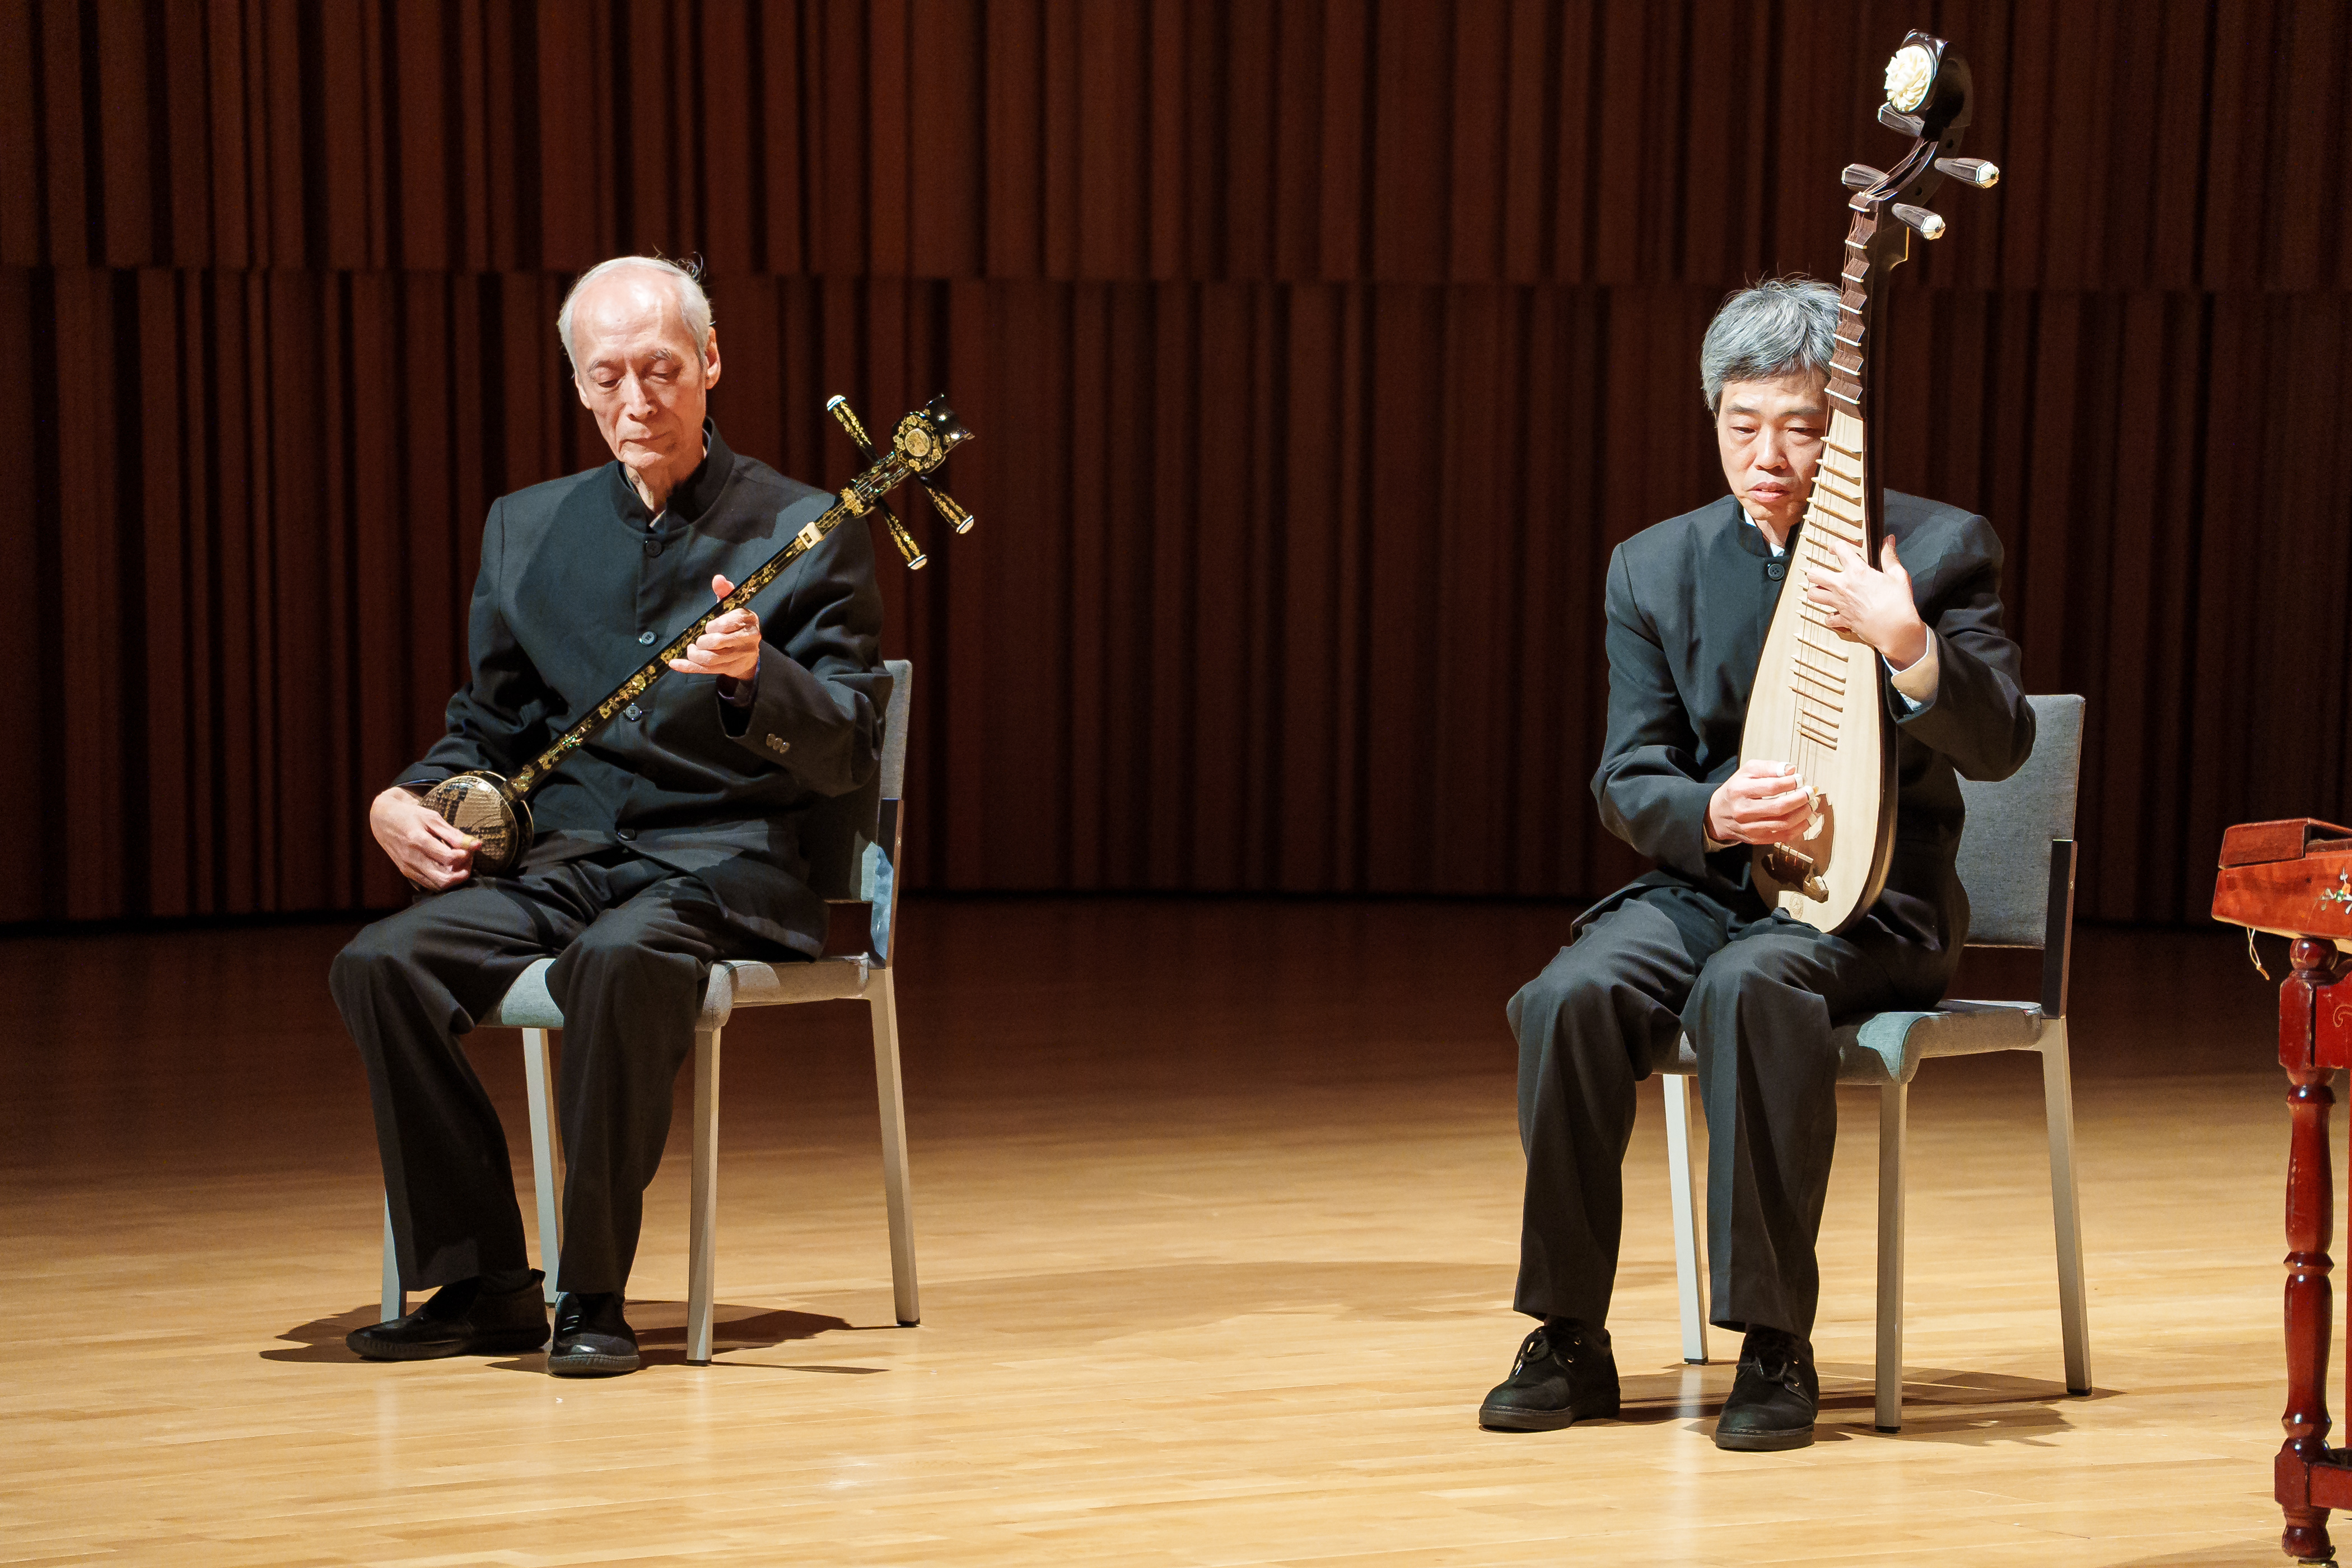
column 1820, row 701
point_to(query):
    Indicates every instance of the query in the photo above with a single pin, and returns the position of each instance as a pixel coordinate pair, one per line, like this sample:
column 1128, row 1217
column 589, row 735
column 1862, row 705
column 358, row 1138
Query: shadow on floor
column 660, row 1325
column 1939, row 1405
column 321, row 1339
column 661, row 1331
column 1944, row 1405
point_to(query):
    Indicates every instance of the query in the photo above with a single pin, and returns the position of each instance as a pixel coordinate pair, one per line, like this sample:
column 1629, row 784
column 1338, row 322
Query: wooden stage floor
column 1217, row 1205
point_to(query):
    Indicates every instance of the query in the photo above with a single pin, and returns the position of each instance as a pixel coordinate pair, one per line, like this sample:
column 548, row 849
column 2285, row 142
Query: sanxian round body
column 486, row 807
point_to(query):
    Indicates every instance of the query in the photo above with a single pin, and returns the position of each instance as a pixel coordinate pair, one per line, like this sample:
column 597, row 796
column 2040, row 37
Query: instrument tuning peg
column 838, row 407
column 951, row 512
column 1860, row 176
column 1930, row 224
column 912, row 551
column 1895, row 119
column 1975, row 171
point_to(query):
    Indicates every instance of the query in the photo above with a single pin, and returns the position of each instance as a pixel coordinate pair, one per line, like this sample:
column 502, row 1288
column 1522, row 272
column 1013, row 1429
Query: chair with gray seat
column 852, row 846
column 2017, row 862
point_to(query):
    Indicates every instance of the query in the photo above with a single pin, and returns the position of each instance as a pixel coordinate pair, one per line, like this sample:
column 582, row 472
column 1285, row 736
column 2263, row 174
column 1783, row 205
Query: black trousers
column 1757, row 994
column 633, row 943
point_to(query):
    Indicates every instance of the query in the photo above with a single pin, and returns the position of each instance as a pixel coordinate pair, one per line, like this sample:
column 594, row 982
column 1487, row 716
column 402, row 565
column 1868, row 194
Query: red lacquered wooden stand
column 2293, row 879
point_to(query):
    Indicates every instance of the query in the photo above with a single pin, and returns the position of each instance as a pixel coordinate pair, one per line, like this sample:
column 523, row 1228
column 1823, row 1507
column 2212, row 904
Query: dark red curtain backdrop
column 1318, row 351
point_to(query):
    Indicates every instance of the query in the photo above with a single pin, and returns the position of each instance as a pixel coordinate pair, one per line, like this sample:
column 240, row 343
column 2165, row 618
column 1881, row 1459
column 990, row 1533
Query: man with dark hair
column 669, row 840
column 1693, row 947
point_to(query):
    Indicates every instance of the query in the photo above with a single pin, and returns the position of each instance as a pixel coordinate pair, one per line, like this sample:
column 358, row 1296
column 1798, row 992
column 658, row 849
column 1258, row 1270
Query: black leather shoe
column 1565, row 1373
column 460, row 1319
column 591, row 1338
column 1774, row 1394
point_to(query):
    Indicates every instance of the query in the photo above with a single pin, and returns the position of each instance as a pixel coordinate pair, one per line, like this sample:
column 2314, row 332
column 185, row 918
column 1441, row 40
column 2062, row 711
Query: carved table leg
column 2310, row 1229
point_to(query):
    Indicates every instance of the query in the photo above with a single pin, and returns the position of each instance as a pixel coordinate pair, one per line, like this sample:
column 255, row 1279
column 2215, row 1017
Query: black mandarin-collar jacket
column 577, row 589
column 1689, row 601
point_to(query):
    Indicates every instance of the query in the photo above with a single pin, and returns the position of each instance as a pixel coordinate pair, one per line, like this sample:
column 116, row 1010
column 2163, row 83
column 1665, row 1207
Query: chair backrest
column 879, row 869
column 894, row 728
column 841, row 838
column 2004, row 860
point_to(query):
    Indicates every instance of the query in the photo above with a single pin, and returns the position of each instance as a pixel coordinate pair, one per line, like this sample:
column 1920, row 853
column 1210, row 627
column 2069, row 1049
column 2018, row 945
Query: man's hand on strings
column 1763, row 802
column 429, row 851
column 1873, row 604
column 728, row 645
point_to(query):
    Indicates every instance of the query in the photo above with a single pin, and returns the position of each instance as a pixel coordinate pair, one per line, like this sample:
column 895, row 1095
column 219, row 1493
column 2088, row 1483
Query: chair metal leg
column 1894, row 1105
column 2067, row 1206
column 702, row 1225
column 396, row 1299
column 1690, row 1259
column 882, row 997
column 546, row 1155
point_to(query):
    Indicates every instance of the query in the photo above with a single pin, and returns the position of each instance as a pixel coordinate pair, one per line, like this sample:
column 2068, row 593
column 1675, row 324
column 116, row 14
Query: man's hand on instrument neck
column 1873, row 604
column 728, row 645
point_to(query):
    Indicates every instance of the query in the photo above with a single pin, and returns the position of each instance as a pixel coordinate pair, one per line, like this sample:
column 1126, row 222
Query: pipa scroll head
column 1928, row 88
column 1928, row 91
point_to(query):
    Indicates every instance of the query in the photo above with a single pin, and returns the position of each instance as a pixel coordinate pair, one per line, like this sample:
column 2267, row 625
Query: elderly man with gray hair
column 669, row 840
column 1692, row 947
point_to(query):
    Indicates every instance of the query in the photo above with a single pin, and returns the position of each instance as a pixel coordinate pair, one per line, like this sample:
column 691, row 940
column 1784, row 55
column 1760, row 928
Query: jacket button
column 653, row 547
column 1776, row 570
column 627, row 833
column 777, row 745
column 647, row 639
column 631, row 714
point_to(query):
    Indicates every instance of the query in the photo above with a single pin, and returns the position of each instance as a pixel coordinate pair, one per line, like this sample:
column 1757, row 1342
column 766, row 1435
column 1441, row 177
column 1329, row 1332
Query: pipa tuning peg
column 1975, row 171
column 1860, row 176
column 1930, row 224
column 951, row 511
column 1895, row 119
